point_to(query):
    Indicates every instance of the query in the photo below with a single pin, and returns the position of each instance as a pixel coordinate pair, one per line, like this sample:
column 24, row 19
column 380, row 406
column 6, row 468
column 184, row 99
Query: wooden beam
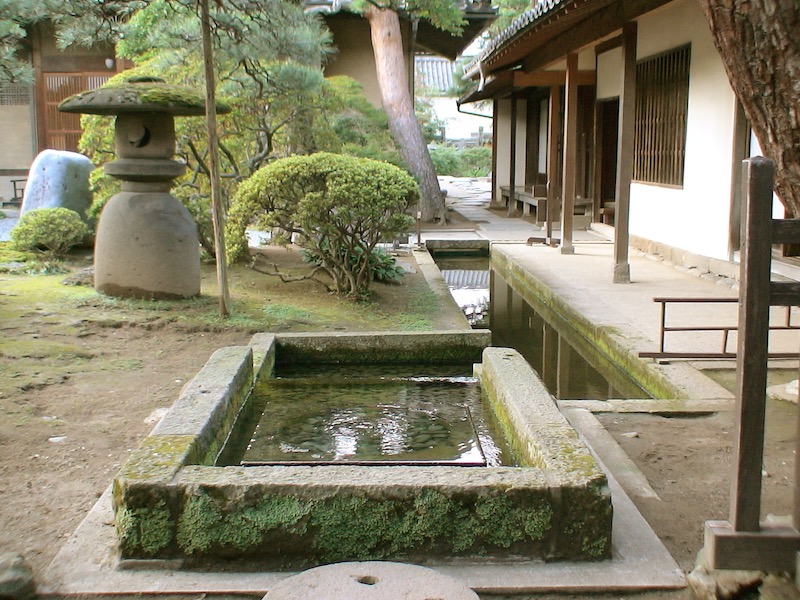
column 627, row 109
column 570, row 156
column 784, row 293
column 772, row 548
column 551, row 78
column 601, row 23
column 609, row 44
column 785, row 231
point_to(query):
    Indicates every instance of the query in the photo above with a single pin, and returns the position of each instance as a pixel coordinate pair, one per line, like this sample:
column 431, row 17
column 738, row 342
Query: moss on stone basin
column 172, row 502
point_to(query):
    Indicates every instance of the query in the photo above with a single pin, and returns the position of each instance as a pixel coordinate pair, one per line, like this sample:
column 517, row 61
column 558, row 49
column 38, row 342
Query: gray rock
column 58, row 178
column 16, row 578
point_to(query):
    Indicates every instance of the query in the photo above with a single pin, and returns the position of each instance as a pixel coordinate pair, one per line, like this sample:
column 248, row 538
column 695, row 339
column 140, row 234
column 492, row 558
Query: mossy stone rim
column 140, row 95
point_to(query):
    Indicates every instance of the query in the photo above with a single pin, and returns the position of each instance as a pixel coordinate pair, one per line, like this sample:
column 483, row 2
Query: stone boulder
column 58, row 178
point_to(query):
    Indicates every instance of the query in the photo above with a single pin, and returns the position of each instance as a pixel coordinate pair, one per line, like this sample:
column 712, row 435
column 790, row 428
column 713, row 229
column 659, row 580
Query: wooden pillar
column 570, row 159
column 532, row 142
column 495, row 199
column 627, row 108
column 751, row 361
column 512, row 161
column 553, row 135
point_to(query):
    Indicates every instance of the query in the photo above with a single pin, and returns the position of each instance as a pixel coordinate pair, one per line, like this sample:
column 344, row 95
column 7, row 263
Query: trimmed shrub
column 469, row 162
column 53, row 231
column 337, row 207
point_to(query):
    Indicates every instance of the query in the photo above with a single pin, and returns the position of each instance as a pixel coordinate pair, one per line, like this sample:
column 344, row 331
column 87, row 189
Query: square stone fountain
column 172, row 501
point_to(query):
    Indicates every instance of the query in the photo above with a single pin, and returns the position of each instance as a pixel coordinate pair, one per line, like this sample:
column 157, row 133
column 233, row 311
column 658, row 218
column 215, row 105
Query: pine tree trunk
column 387, row 44
column 760, row 47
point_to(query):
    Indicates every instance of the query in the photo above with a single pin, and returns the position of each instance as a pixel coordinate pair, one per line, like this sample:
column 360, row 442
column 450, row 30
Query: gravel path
column 7, row 224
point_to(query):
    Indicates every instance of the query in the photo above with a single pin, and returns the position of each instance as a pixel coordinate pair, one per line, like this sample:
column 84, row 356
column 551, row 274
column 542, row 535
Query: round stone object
column 146, row 247
column 140, row 95
column 370, row 581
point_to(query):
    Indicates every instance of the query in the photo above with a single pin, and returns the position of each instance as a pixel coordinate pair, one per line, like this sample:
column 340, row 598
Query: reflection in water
column 347, row 418
column 515, row 324
column 468, row 281
column 565, row 372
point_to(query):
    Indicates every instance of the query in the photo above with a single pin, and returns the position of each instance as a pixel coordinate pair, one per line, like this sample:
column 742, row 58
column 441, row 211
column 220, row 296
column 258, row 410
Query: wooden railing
column 725, row 330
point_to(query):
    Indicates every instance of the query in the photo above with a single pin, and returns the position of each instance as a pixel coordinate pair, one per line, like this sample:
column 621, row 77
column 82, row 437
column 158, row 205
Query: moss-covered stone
column 384, row 347
column 349, row 526
column 145, row 531
column 140, row 95
column 169, row 505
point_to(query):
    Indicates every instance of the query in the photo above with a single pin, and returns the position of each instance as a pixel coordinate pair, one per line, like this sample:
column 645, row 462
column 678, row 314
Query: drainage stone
column 370, row 580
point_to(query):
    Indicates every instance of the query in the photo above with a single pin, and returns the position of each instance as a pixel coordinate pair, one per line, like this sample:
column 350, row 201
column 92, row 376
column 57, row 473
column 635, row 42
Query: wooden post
column 743, row 542
column 553, row 135
column 217, row 210
column 570, row 158
column 751, row 362
column 627, row 108
column 512, row 163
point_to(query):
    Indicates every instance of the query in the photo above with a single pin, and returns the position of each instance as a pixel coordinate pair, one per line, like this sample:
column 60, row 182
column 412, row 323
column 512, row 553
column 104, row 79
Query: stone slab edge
column 528, row 413
column 435, row 347
column 86, row 565
column 677, row 380
column 435, row 280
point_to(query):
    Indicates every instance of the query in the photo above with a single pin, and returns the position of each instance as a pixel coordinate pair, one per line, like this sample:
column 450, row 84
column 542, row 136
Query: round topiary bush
column 337, row 207
column 52, row 231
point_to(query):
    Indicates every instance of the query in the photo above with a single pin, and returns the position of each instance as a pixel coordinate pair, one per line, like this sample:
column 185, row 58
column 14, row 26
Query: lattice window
column 662, row 100
column 64, row 129
column 14, row 94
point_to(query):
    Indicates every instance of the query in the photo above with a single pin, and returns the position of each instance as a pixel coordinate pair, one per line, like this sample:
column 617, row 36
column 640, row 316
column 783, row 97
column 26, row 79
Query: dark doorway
column 609, row 134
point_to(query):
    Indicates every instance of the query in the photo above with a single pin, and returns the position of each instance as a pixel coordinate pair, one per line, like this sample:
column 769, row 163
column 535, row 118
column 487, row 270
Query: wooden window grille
column 15, row 94
column 64, row 129
column 662, row 101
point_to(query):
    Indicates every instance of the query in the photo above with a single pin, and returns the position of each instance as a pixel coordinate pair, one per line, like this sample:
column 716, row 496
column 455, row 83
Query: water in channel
column 567, row 365
column 373, row 415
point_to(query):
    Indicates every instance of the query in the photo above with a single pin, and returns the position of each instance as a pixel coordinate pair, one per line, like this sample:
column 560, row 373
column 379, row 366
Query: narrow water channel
column 567, row 371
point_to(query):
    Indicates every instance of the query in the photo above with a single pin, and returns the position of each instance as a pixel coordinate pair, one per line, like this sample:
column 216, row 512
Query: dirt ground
column 82, row 378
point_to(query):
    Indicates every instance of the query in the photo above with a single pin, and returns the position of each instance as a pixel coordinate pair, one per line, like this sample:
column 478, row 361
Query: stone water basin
column 172, row 499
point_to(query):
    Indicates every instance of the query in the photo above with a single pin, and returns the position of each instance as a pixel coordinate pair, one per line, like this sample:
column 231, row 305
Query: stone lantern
column 146, row 244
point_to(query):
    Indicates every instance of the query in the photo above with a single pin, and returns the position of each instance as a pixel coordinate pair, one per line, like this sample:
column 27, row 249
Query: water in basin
column 374, row 416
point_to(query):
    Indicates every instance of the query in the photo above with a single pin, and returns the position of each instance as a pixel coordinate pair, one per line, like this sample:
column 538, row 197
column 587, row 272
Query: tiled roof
column 434, row 73
column 540, row 9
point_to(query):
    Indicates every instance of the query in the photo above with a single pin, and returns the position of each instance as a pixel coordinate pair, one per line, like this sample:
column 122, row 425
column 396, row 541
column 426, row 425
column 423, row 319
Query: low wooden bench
column 527, row 198
column 18, row 186
column 607, row 212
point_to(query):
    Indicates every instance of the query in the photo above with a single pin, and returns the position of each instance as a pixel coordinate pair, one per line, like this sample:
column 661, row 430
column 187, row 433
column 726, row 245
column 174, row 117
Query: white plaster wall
column 462, row 126
column 354, row 56
column 503, row 137
column 16, row 149
column 609, row 74
column 544, row 118
column 696, row 216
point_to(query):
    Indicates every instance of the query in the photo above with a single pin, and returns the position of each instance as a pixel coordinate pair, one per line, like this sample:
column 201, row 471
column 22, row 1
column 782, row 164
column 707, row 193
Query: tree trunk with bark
column 387, row 44
column 760, row 47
